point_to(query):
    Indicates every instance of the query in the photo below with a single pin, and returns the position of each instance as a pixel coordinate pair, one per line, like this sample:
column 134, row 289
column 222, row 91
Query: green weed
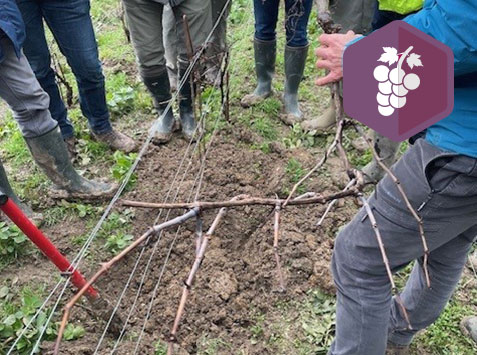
column 117, row 242
column 123, row 163
column 13, row 243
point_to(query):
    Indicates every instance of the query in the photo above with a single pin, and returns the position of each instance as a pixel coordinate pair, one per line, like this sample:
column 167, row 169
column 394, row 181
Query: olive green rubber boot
column 321, row 123
column 265, row 56
column 50, row 153
column 387, row 150
column 295, row 60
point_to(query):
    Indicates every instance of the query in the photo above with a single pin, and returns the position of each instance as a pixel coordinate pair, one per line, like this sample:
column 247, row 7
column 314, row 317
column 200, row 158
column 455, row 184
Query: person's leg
column 146, row 26
column 351, row 15
column 36, row 50
column 199, row 18
column 296, row 50
column 29, row 103
column 424, row 304
column 169, row 34
column 71, row 25
column 443, row 188
column 265, row 50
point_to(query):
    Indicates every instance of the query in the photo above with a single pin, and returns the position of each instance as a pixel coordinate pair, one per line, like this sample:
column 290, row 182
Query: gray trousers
column 354, row 15
column 145, row 22
column 22, row 92
column 443, row 187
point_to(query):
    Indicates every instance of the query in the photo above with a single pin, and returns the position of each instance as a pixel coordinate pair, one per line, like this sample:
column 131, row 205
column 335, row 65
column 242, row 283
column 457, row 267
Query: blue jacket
column 454, row 23
column 11, row 25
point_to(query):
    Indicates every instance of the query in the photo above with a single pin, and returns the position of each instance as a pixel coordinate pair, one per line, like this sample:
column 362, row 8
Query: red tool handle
column 43, row 243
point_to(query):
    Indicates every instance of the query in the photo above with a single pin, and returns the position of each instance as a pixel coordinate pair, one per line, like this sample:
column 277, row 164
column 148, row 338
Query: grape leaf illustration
column 414, row 61
column 389, row 56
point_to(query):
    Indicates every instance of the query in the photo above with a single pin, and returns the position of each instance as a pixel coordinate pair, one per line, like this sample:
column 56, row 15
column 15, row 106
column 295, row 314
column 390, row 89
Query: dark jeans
column 70, row 23
column 297, row 15
column 442, row 187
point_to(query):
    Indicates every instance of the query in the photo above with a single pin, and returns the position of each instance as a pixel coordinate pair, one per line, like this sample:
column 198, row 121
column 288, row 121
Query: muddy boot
column 71, row 146
column 160, row 90
column 172, row 74
column 393, row 349
column 468, row 327
column 50, row 153
column 295, row 60
column 116, row 141
column 186, row 108
column 321, row 123
column 36, row 218
column 265, row 56
column 387, row 150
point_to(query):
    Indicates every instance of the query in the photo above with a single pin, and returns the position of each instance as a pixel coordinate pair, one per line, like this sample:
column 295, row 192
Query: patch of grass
column 117, row 242
column 213, row 346
column 295, row 172
column 13, row 244
column 444, row 336
column 160, row 348
column 122, row 164
column 16, row 309
column 299, row 138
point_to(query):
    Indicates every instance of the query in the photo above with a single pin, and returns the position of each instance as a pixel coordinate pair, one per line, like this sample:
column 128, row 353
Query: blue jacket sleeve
column 454, row 23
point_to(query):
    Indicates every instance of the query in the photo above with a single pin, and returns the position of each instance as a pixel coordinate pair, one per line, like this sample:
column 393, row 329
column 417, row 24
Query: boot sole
column 61, row 194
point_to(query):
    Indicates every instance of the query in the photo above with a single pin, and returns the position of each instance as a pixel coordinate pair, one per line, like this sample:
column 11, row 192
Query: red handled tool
column 17, row 216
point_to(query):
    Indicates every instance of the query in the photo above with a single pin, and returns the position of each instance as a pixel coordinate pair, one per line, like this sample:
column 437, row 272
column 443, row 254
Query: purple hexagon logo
column 398, row 81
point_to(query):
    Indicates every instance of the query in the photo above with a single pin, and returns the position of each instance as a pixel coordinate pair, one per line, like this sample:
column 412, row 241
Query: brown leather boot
column 116, row 141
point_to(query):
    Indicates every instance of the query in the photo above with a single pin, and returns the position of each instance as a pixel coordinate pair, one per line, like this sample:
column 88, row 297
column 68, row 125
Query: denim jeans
column 297, row 15
column 71, row 25
column 442, row 187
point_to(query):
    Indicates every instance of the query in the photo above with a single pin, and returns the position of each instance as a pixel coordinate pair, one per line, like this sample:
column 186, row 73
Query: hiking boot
column 295, row 60
column 36, row 218
column 116, row 141
column 394, row 349
column 265, row 55
column 387, row 151
column 321, row 123
column 186, row 108
column 50, row 153
column 160, row 90
column 71, row 147
column 468, row 327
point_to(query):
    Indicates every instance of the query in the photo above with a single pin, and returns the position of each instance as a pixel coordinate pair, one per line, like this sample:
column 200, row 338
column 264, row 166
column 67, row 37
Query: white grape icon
column 394, row 84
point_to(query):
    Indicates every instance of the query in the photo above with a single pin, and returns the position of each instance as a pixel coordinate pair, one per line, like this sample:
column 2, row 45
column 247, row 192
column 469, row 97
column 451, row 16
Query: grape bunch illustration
column 395, row 83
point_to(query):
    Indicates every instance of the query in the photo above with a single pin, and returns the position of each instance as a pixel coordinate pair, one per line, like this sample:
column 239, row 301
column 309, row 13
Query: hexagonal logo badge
column 398, row 81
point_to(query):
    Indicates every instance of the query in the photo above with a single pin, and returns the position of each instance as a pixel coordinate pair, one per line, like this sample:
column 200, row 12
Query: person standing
column 297, row 14
column 71, row 26
column 353, row 16
column 439, row 176
column 145, row 20
column 29, row 103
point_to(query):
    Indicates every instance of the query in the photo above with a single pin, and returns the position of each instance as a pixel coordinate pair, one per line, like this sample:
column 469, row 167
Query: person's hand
column 330, row 55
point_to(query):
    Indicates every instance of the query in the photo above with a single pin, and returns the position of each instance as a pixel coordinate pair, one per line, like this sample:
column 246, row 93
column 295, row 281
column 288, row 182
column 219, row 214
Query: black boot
column 160, row 89
column 51, row 155
column 265, row 53
column 37, row 218
column 186, row 107
column 295, row 60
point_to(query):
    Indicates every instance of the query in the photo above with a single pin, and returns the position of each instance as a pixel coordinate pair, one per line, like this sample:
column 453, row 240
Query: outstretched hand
column 330, row 55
